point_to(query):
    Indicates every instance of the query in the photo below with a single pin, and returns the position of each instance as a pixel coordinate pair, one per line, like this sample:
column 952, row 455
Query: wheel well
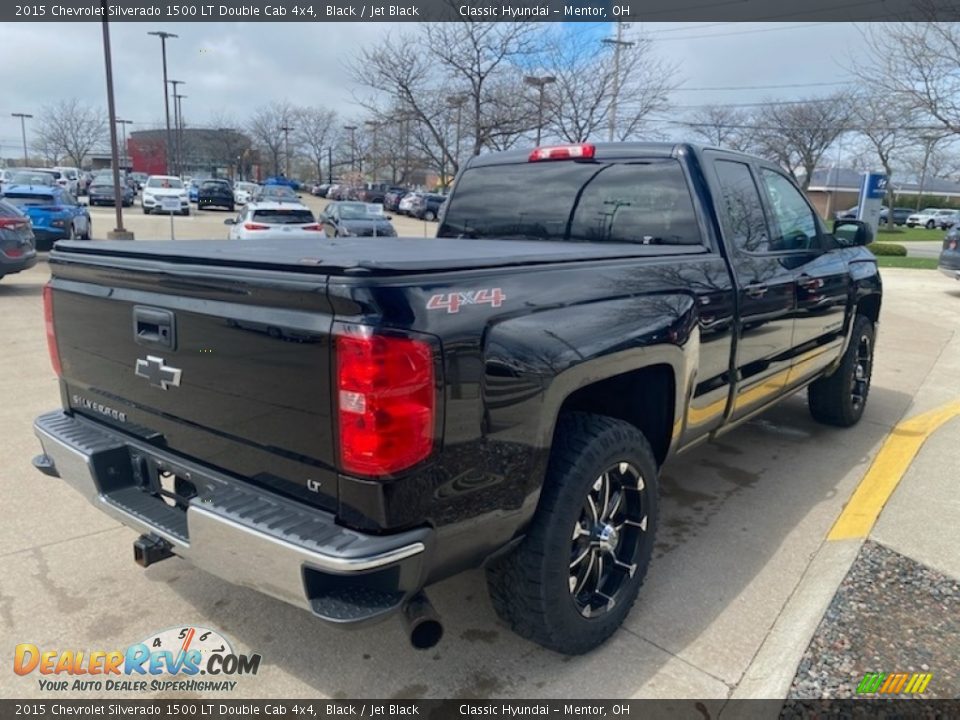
column 644, row 398
column 869, row 307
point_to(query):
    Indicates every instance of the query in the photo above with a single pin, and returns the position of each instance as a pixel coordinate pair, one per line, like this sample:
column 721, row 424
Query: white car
column 274, row 221
column 158, row 187
column 406, row 204
column 243, row 192
column 931, row 218
column 69, row 178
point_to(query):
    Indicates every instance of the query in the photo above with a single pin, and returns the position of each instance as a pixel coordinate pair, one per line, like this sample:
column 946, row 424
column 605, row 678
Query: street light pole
column 286, row 148
column 118, row 233
column 374, row 166
column 353, row 147
column 617, row 43
column 123, row 124
column 166, row 99
column 541, row 84
column 23, row 131
column 176, row 127
column 178, row 119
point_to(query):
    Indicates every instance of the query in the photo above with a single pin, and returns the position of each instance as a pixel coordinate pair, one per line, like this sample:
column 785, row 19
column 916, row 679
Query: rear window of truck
column 646, row 203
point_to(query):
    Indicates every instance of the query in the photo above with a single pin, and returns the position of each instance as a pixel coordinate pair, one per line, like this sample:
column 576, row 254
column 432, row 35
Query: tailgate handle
column 154, row 327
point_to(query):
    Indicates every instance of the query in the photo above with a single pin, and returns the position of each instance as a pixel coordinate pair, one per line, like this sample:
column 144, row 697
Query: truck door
column 766, row 289
column 823, row 280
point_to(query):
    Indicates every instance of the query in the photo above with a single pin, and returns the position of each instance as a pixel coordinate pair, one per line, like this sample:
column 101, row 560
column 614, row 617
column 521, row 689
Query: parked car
column 505, row 399
column 406, row 203
column 320, row 189
column 275, row 193
column 215, row 193
column 17, row 243
column 426, row 206
column 101, row 192
column 282, row 180
column 158, row 187
column 31, row 177
column 356, row 219
column 193, row 189
column 946, row 220
column 274, row 221
column 243, row 192
column 83, row 183
column 54, row 213
column 140, row 178
column 392, row 198
column 949, row 263
column 900, row 215
column 929, row 217
column 332, row 191
column 69, row 179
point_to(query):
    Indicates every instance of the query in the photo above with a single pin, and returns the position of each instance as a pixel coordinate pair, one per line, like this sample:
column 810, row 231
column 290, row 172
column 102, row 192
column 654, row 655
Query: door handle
column 757, row 290
column 154, row 327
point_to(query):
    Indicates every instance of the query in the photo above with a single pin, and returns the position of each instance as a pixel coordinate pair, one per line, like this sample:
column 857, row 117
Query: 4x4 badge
column 158, row 372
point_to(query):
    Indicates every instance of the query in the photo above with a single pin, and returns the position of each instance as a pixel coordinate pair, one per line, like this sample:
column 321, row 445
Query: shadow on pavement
column 740, row 519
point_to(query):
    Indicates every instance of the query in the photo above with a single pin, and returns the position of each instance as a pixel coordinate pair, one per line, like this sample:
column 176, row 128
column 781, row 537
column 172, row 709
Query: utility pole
column 352, row 129
column 617, row 43
column 176, row 127
column 330, row 166
column 374, row 164
column 123, row 124
column 118, row 233
column 286, row 148
column 178, row 110
column 541, row 84
column 928, row 142
column 457, row 101
column 23, row 131
column 166, row 99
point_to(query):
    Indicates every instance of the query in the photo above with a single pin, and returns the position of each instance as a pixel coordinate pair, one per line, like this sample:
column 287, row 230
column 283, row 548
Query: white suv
column 931, row 218
column 275, row 221
column 158, row 187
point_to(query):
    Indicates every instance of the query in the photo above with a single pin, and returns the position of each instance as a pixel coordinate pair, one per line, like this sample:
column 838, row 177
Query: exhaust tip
column 426, row 634
column 422, row 622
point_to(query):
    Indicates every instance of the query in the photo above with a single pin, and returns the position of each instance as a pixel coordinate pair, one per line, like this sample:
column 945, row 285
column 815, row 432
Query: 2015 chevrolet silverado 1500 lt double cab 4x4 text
column 341, row 423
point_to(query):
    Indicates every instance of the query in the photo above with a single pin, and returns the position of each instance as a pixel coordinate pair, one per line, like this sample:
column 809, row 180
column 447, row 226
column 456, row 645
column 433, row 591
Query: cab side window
column 741, row 211
column 794, row 224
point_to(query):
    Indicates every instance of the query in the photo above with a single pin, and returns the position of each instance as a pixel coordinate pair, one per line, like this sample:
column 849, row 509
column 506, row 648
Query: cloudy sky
column 233, row 67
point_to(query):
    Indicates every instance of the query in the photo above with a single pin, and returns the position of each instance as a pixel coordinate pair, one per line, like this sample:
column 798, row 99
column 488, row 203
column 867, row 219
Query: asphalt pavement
column 743, row 572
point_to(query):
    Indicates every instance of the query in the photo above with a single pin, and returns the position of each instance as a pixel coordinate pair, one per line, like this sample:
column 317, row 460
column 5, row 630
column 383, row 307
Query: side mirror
column 230, row 221
column 852, row 232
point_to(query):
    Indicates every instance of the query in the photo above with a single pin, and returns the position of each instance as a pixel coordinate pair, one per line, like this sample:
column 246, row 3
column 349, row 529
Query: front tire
column 572, row 580
column 840, row 399
column 930, row 225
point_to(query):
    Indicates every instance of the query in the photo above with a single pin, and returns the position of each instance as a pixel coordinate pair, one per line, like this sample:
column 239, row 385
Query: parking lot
column 744, row 520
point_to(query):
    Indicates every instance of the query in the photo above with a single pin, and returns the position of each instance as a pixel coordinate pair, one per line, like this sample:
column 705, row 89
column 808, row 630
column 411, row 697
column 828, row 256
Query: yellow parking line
column 890, row 465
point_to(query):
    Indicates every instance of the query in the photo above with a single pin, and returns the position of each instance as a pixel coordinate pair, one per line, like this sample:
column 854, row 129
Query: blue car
column 282, row 180
column 53, row 211
column 193, row 191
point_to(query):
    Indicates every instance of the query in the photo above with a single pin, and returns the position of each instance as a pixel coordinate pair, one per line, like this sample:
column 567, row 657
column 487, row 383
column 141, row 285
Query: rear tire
column 929, row 225
column 572, row 580
column 430, row 215
column 88, row 233
column 840, row 399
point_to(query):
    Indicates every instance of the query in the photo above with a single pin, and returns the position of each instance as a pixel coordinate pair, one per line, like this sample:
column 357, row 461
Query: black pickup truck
column 340, row 424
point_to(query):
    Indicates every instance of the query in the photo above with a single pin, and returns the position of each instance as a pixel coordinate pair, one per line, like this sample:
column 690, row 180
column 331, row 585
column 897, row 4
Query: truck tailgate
column 229, row 367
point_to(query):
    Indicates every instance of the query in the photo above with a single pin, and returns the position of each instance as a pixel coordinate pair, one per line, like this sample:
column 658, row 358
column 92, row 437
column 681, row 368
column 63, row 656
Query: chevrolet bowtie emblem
column 157, row 372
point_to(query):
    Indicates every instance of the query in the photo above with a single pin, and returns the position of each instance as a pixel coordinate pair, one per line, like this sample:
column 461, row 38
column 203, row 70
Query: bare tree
column 580, row 102
column 228, row 143
column 883, row 130
column 915, row 65
column 70, row 129
column 797, row 134
column 315, row 132
column 266, row 128
column 722, row 126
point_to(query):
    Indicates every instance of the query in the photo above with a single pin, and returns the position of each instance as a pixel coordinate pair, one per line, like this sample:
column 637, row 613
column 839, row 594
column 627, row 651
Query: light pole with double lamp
column 123, row 124
column 177, row 150
column 286, row 149
column 118, row 233
column 164, row 36
column 23, row 130
column 540, row 83
column 352, row 129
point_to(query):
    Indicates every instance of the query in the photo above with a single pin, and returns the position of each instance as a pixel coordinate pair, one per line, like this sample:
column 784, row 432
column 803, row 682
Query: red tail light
column 255, row 226
column 386, row 398
column 313, row 227
column 12, row 252
column 12, row 222
column 584, row 151
column 51, row 332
